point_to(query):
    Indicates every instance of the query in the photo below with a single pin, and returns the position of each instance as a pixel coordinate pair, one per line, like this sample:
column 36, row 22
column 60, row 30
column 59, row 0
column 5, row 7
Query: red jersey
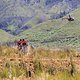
column 19, row 42
column 24, row 42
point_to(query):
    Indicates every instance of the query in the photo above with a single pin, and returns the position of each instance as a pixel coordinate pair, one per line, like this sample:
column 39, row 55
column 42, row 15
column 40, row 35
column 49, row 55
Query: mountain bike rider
column 22, row 45
column 19, row 44
column 70, row 18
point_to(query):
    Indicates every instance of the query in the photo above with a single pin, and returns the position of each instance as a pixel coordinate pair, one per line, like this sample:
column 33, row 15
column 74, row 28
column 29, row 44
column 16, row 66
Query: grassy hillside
column 4, row 36
column 56, row 32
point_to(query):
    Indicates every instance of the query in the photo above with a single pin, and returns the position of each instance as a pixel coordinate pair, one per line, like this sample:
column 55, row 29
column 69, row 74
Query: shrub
column 38, row 67
column 4, row 73
column 51, row 70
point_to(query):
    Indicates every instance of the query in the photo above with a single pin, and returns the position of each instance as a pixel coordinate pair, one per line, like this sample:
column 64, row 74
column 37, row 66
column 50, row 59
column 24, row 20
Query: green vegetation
column 4, row 36
column 51, row 70
column 12, row 71
column 38, row 67
column 55, row 33
column 50, row 33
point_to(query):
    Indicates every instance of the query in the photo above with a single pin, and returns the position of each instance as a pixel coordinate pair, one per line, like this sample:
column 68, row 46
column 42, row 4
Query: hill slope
column 17, row 13
column 56, row 32
column 4, row 36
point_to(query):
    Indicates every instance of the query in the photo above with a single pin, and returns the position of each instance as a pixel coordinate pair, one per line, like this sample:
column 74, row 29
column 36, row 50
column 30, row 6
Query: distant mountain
column 71, row 3
column 14, row 14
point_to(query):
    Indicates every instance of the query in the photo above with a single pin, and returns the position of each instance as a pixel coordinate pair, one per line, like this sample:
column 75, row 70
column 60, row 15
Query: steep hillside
column 4, row 36
column 24, row 14
column 56, row 32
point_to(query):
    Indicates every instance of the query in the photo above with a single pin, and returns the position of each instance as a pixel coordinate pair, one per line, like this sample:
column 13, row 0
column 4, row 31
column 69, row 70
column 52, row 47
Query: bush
column 17, row 71
column 51, row 70
column 38, row 67
column 4, row 73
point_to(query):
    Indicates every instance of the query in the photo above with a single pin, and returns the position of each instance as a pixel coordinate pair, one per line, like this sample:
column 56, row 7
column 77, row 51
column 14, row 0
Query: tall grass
column 41, row 72
column 54, row 53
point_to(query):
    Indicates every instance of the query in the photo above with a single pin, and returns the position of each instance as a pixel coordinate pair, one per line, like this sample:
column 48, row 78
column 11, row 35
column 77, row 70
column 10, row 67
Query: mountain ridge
column 19, row 12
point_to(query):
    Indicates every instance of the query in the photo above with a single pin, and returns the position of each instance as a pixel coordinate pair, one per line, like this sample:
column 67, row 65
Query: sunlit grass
column 51, row 73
